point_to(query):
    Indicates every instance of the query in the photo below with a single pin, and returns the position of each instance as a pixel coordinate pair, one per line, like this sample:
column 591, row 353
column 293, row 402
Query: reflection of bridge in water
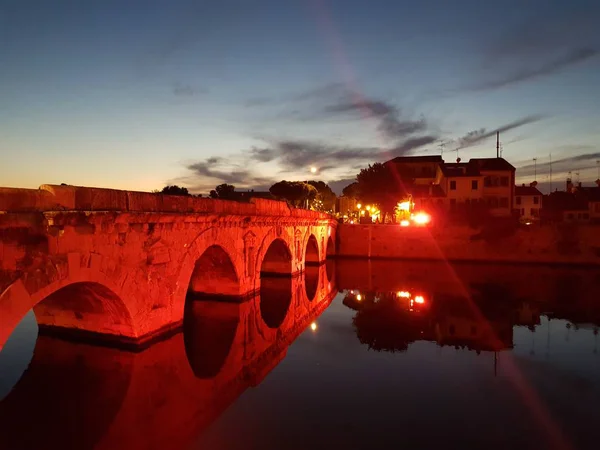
column 81, row 397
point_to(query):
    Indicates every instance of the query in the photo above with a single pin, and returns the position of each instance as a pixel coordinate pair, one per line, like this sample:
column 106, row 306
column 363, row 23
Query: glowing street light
column 368, row 208
column 358, row 205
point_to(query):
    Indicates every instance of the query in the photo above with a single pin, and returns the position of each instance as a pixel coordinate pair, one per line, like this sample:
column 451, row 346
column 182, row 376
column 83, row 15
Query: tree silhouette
column 325, row 200
column 224, row 192
column 175, row 190
column 378, row 184
column 297, row 193
column 351, row 190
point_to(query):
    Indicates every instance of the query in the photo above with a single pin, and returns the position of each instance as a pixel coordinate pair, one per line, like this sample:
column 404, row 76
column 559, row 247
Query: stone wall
column 75, row 198
column 533, row 244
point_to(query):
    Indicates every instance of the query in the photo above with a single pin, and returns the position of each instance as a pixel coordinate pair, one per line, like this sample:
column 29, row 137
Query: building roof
column 565, row 201
column 466, row 169
column 492, row 164
column 526, row 190
column 417, row 159
column 591, row 193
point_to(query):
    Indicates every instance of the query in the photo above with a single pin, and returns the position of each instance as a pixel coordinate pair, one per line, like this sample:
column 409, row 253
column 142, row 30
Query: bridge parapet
column 76, row 198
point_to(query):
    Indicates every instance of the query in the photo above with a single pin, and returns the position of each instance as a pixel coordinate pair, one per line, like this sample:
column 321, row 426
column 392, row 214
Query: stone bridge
column 164, row 395
column 119, row 265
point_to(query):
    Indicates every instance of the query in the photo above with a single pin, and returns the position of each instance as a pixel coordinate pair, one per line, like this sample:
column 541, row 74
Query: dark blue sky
column 135, row 94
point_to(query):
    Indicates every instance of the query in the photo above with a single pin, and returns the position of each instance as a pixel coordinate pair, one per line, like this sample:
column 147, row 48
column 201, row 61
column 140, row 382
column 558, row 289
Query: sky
column 138, row 94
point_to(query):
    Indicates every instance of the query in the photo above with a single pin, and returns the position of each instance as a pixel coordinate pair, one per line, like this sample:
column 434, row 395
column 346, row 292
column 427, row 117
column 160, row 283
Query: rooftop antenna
column 497, row 144
column 550, row 172
column 441, row 146
column 534, row 169
column 598, row 167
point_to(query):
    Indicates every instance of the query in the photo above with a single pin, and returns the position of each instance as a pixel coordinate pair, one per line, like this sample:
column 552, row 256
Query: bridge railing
column 76, row 198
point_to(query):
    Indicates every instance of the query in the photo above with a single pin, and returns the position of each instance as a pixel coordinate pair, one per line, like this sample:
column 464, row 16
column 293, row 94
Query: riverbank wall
column 533, row 244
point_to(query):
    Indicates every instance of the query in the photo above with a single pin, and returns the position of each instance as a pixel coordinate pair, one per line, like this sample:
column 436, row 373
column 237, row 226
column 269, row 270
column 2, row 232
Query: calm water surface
column 405, row 356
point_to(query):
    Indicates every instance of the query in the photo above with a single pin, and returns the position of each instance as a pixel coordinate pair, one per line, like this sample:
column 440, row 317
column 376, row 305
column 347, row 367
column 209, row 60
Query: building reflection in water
column 80, row 396
column 476, row 312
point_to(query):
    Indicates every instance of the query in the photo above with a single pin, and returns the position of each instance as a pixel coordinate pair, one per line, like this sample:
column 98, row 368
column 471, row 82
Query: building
column 462, row 184
column 458, row 186
column 498, row 184
column 419, row 170
column 528, row 202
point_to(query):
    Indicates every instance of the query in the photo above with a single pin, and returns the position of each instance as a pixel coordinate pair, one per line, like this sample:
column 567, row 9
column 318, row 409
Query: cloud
column 575, row 163
column 215, row 170
column 478, row 136
column 575, row 56
column 412, row 144
column 328, row 91
column 548, row 42
column 186, row 90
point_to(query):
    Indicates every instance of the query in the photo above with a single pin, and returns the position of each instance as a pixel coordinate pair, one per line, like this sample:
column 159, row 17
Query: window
column 487, row 181
column 474, row 185
column 522, row 211
column 534, row 212
column 453, row 185
column 517, row 200
column 536, row 200
column 503, row 181
column 503, row 202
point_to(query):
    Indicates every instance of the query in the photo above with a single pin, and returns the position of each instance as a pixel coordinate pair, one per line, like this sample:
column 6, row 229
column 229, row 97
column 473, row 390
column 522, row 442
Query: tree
column 297, row 193
column 175, row 190
column 378, row 184
column 224, row 192
column 351, row 190
column 325, row 200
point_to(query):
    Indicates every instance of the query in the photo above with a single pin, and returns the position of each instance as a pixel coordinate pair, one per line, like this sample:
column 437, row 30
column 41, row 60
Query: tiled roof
column 492, row 164
column 526, row 190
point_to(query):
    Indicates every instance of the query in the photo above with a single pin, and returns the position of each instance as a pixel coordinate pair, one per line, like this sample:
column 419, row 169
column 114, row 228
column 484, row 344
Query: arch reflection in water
column 275, row 299
column 209, row 330
column 311, row 281
column 77, row 396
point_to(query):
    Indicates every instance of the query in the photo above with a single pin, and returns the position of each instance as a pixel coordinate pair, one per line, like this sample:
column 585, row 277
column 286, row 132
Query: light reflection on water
column 398, row 377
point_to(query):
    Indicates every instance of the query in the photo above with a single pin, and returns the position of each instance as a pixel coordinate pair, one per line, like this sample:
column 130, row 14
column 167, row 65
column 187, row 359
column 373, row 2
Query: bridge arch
column 214, row 274
column 276, row 259
column 276, row 283
column 87, row 303
column 312, row 256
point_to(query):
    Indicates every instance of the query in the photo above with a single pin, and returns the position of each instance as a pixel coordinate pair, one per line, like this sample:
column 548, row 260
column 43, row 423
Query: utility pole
column 534, row 169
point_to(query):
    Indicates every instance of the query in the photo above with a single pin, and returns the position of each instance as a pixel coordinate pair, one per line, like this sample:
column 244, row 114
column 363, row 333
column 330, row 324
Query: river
column 403, row 355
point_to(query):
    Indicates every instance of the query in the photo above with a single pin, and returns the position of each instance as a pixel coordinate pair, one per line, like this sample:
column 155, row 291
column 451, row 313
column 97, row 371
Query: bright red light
column 422, row 218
